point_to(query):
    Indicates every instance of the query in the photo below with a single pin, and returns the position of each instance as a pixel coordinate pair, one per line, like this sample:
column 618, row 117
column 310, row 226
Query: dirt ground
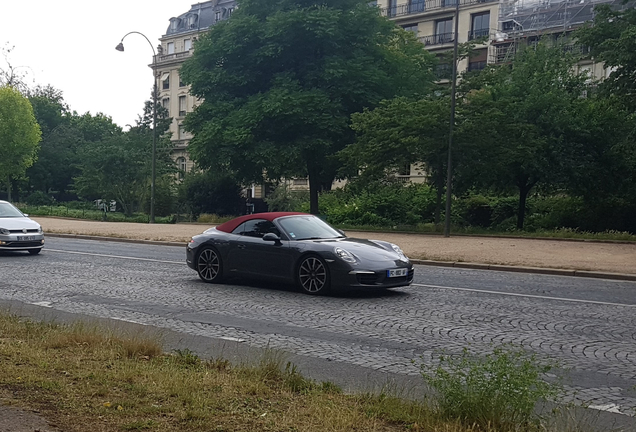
column 574, row 255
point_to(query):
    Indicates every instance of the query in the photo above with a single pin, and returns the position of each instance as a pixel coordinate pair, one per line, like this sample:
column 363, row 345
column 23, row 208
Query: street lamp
column 449, row 167
column 120, row 47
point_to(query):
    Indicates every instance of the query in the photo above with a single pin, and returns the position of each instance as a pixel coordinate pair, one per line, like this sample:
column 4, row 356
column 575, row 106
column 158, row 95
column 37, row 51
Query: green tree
column 53, row 172
column 400, row 132
column 19, row 135
column 116, row 165
column 280, row 80
column 612, row 40
column 210, row 192
column 516, row 123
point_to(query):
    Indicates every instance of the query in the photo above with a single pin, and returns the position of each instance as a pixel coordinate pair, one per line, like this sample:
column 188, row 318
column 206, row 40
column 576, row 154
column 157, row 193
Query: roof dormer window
column 192, row 20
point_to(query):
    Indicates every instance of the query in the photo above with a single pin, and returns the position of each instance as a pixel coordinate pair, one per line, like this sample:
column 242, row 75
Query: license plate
column 397, row 272
column 26, row 238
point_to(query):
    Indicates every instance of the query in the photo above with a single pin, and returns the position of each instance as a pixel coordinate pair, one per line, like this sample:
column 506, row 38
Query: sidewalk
column 574, row 258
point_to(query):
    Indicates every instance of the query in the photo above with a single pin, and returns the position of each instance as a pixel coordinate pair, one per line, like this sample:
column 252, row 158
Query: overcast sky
column 70, row 44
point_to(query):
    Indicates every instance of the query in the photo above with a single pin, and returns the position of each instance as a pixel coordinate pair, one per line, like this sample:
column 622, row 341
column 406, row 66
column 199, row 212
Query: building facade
column 175, row 47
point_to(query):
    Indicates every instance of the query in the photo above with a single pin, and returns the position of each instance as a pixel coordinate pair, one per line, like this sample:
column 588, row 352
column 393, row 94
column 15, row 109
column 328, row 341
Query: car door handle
column 240, row 246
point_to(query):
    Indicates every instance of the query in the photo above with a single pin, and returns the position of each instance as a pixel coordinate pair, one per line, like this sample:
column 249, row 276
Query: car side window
column 239, row 229
column 256, row 228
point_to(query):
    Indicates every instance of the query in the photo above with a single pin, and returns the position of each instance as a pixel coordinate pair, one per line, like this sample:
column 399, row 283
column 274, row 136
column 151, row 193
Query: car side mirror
column 341, row 232
column 272, row 237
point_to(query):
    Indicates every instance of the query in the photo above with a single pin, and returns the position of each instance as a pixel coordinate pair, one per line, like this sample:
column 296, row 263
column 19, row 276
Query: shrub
column 379, row 205
column 39, row 198
column 207, row 192
column 499, row 390
column 284, row 199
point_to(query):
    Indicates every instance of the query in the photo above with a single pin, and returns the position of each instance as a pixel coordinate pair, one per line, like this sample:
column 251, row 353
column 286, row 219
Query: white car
column 18, row 232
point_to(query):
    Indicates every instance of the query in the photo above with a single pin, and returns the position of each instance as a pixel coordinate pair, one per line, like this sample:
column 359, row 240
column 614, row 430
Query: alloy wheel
column 312, row 275
column 209, row 265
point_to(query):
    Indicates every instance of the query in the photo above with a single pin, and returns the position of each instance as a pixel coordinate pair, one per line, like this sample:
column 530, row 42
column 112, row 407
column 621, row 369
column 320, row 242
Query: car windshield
column 308, row 228
column 8, row 211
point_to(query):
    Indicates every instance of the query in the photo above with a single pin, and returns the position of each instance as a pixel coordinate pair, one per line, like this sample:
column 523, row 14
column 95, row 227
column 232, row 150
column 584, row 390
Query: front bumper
column 15, row 243
column 370, row 278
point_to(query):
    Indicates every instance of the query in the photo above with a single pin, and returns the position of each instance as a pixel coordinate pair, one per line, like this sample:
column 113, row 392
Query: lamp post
column 120, row 47
column 449, row 167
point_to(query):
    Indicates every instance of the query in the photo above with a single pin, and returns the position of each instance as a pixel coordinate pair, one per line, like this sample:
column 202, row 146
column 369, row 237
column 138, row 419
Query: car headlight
column 4, row 231
column 344, row 255
column 40, row 231
column 397, row 249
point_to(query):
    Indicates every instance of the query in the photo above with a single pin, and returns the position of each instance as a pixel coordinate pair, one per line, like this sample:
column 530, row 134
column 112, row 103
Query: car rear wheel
column 209, row 266
column 34, row 251
column 313, row 276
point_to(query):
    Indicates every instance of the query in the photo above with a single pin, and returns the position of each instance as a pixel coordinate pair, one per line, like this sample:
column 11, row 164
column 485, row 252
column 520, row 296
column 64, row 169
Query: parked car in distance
column 296, row 248
column 18, row 232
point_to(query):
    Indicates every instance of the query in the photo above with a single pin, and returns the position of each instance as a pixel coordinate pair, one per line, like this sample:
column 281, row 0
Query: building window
column 170, row 47
column 443, row 71
column 217, row 16
column 182, row 167
column 182, row 106
column 165, row 81
column 413, row 28
column 181, row 132
column 187, row 44
column 301, row 182
column 192, row 21
column 476, row 65
column 480, row 26
column 415, row 6
column 392, row 9
column 229, row 12
column 165, row 102
column 181, row 83
column 444, row 31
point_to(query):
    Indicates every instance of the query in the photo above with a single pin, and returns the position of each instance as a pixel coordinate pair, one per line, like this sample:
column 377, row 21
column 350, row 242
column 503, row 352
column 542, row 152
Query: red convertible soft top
column 229, row 226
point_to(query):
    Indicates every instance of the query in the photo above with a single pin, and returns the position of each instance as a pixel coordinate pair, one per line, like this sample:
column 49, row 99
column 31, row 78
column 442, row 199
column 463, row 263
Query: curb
column 465, row 265
column 534, row 270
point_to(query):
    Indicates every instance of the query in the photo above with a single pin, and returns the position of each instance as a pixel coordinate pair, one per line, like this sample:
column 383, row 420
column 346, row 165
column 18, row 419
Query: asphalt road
column 357, row 340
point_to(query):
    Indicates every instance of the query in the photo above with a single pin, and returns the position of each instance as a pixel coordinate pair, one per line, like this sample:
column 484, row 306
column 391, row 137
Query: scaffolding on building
column 529, row 20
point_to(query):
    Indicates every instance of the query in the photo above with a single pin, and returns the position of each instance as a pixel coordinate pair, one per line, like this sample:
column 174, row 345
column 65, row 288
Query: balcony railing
column 438, row 39
column 420, row 6
column 478, row 34
column 172, row 57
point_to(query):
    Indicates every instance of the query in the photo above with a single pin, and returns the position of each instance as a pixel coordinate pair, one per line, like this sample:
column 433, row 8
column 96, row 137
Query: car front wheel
column 209, row 266
column 313, row 276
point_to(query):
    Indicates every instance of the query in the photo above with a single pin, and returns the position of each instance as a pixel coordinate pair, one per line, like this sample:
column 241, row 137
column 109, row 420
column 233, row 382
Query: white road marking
column 613, row 408
column 232, row 339
column 116, row 256
column 43, row 304
column 525, row 295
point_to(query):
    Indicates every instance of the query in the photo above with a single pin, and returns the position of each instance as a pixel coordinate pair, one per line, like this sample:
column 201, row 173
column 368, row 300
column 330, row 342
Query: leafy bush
column 379, row 205
column 284, row 199
column 208, row 192
column 499, row 390
column 476, row 210
column 38, row 198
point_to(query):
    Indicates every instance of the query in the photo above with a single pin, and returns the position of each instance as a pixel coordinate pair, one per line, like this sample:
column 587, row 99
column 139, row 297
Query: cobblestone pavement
column 589, row 326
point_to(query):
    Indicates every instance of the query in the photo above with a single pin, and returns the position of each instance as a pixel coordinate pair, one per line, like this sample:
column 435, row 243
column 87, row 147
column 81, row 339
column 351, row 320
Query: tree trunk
column 524, row 190
column 438, row 203
column 9, row 187
column 314, row 187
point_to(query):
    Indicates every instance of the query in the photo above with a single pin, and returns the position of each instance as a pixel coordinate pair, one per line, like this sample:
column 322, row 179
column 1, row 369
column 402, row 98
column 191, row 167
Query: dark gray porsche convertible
column 298, row 248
